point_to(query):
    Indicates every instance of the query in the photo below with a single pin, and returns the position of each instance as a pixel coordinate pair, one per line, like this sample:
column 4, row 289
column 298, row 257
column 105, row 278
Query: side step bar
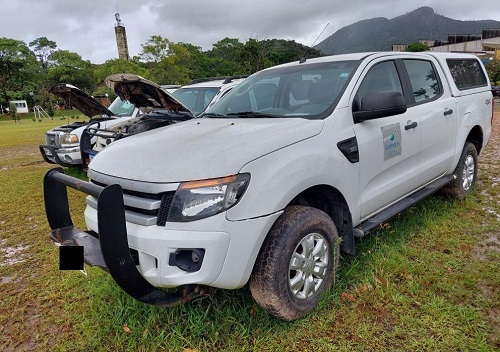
column 387, row 214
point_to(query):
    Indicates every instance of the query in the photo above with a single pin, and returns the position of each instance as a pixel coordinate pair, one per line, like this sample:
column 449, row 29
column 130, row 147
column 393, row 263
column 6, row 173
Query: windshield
column 121, row 108
column 305, row 90
column 196, row 99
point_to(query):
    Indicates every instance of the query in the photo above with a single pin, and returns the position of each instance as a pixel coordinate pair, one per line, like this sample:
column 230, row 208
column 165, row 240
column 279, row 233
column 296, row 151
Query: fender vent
column 166, row 202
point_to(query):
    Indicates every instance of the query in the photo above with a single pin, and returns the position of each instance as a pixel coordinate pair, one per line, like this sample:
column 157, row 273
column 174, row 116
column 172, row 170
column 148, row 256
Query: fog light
column 68, row 158
column 189, row 259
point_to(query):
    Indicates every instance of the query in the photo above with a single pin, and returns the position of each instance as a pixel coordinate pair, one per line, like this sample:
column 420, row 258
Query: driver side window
column 381, row 78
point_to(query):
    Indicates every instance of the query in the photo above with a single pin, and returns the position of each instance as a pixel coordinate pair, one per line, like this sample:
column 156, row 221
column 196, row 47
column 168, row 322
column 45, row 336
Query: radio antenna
column 303, row 58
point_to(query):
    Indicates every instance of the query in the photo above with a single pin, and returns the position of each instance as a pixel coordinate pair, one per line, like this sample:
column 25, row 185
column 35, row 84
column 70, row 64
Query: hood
column 143, row 93
column 80, row 100
column 200, row 148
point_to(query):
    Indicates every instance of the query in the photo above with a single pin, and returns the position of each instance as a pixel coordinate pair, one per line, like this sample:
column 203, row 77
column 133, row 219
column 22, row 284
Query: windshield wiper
column 250, row 114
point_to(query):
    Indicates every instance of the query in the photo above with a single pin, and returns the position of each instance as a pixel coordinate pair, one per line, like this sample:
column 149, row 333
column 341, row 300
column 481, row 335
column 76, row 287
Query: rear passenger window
column 467, row 73
column 423, row 79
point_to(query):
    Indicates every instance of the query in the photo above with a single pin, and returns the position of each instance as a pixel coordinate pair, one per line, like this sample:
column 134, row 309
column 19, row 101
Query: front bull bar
column 109, row 249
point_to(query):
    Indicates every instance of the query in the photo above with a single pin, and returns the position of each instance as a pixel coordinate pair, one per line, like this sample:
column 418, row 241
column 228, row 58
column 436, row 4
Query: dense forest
column 27, row 71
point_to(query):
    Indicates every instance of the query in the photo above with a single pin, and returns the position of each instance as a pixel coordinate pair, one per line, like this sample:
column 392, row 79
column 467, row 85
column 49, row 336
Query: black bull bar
column 109, row 249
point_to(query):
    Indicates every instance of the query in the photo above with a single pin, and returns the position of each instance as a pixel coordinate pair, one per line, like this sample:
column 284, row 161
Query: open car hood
column 143, row 93
column 80, row 100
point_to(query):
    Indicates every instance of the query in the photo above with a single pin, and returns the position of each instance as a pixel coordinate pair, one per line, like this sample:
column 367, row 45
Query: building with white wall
column 21, row 105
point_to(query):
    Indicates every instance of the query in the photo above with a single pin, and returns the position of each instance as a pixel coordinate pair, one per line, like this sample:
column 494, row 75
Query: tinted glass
column 423, row 79
column 382, row 78
column 467, row 73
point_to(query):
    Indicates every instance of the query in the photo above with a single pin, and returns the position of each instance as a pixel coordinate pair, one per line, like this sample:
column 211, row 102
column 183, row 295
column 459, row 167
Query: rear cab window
column 467, row 73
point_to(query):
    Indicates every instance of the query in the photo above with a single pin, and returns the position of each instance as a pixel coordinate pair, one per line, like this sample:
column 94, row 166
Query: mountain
column 378, row 34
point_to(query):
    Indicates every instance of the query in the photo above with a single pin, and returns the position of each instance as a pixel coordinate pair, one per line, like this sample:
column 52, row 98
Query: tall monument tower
column 121, row 38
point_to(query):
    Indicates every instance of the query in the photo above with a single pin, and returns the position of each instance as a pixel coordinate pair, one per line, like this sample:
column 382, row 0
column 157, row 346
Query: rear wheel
column 466, row 172
column 297, row 263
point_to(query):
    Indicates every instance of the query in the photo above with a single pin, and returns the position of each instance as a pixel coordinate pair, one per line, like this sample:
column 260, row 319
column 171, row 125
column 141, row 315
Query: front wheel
column 466, row 173
column 296, row 264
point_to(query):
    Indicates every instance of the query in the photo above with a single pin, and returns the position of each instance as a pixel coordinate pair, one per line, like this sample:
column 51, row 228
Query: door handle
column 448, row 112
column 411, row 125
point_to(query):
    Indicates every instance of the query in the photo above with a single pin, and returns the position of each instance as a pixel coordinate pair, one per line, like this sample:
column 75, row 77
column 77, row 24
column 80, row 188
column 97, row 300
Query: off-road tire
column 270, row 283
column 466, row 173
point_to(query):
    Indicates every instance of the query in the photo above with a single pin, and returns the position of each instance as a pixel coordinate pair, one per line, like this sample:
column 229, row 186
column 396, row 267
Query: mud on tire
column 296, row 264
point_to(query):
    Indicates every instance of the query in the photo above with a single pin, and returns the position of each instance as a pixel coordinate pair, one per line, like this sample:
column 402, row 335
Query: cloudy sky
column 87, row 27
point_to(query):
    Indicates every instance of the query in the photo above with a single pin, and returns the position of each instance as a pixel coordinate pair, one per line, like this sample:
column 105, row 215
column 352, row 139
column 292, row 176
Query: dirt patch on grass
column 11, row 255
column 490, row 244
column 489, row 182
column 20, row 151
column 21, row 156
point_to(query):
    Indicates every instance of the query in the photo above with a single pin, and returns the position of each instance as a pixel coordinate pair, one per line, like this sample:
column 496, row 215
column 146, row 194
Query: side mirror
column 378, row 105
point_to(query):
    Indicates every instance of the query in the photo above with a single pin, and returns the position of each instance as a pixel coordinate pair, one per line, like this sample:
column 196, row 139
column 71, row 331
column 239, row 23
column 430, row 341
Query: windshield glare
column 121, row 108
column 196, row 99
column 306, row 90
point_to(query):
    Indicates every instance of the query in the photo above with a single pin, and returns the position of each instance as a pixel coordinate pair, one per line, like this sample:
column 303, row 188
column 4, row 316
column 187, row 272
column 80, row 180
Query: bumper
column 110, row 249
column 61, row 156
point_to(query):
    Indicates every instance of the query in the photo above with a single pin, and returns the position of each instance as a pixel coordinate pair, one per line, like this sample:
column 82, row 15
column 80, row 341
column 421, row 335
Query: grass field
column 427, row 281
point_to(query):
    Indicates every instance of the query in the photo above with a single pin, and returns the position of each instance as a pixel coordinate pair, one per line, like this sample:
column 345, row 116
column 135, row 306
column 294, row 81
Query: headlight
column 69, row 138
column 200, row 199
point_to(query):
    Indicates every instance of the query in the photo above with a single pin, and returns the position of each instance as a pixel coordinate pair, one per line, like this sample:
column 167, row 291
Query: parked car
column 159, row 106
column 495, row 90
column 283, row 172
column 62, row 144
column 205, row 92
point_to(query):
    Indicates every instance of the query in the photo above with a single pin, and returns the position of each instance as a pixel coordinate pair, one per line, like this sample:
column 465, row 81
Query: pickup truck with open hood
column 62, row 144
column 284, row 172
column 159, row 106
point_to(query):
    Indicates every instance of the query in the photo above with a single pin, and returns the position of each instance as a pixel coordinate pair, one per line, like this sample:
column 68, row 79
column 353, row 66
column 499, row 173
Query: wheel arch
column 332, row 202
column 475, row 136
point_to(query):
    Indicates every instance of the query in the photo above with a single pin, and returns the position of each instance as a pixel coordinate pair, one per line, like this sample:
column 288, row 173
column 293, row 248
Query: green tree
column 198, row 64
column 13, row 112
column 174, row 69
column 417, row 46
column 225, row 58
column 155, row 49
column 252, row 56
column 68, row 67
column 114, row 66
column 19, row 70
column 43, row 48
column 280, row 51
column 493, row 69
column 167, row 62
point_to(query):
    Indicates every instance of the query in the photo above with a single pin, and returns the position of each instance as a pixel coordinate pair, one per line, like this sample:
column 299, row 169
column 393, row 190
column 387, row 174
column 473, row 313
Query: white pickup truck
column 62, row 143
column 281, row 174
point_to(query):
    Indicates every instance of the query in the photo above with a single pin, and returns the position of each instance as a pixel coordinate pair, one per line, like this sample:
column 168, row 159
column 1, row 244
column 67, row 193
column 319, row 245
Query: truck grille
column 142, row 208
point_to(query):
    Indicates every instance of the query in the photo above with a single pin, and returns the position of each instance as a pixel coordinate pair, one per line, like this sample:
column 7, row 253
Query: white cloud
column 87, row 27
